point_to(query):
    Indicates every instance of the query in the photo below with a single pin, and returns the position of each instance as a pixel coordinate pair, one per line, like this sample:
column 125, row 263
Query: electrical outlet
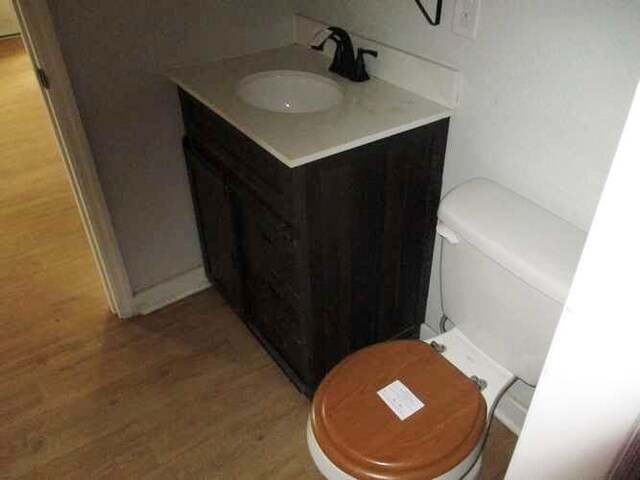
column 465, row 18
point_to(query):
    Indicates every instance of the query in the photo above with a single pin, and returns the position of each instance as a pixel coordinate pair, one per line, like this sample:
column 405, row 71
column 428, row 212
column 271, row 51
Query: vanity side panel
column 413, row 186
column 370, row 219
column 437, row 151
column 329, row 213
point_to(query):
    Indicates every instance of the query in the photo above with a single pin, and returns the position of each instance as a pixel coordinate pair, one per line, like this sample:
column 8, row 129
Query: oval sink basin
column 289, row 91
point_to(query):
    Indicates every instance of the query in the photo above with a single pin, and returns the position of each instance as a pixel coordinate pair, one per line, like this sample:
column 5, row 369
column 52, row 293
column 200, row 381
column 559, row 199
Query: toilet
column 413, row 409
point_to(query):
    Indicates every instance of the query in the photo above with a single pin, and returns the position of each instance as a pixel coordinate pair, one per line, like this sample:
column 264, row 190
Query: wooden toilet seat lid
column 361, row 435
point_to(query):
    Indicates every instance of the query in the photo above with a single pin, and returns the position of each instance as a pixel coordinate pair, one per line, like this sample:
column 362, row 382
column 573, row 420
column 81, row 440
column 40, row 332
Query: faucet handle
column 330, row 35
column 360, row 74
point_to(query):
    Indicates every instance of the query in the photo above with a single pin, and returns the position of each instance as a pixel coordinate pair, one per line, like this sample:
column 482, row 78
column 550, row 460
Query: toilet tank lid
column 529, row 241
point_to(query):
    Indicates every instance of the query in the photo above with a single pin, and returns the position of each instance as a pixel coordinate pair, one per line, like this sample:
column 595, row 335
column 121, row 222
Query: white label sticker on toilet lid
column 400, row 399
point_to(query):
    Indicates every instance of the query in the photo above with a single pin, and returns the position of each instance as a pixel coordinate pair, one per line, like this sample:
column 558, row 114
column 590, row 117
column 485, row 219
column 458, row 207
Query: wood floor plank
column 185, row 392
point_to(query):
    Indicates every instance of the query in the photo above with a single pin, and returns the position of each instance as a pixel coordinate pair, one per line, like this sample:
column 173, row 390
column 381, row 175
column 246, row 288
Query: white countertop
column 369, row 111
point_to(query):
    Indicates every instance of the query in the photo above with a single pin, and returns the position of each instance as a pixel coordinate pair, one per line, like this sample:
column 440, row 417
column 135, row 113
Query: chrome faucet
column 345, row 62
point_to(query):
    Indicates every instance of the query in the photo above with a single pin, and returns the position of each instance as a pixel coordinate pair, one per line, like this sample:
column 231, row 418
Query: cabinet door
column 218, row 214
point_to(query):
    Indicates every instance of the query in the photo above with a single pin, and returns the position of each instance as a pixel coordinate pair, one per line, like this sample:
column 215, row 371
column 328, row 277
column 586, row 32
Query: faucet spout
column 344, row 59
column 345, row 62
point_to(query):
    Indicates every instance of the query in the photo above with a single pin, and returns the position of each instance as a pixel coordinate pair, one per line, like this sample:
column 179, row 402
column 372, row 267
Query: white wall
column 115, row 52
column 544, row 93
column 587, row 403
column 8, row 22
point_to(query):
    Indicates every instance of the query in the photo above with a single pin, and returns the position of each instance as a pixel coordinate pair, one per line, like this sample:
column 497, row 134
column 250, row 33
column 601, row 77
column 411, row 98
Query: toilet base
column 471, row 464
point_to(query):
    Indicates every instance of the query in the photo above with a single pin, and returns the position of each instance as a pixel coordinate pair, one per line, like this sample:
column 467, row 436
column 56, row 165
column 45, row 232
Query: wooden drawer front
column 278, row 321
column 271, row 247
column 247, row 159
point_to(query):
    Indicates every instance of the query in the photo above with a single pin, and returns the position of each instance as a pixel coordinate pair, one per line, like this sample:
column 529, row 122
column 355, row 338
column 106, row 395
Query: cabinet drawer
column 271, row 247
column 265, row 173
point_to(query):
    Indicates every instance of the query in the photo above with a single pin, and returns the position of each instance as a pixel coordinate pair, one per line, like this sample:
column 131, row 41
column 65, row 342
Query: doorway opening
column 36, row 54
column 46, row 261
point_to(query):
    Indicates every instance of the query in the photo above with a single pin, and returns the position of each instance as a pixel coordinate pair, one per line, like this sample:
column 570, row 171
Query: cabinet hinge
column 43, row 78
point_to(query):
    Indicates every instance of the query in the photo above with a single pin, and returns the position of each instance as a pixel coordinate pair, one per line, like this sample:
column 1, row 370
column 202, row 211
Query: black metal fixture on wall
column 432, row 21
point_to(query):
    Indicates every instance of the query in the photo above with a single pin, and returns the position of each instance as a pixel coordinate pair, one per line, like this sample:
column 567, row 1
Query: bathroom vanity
column 317, row 228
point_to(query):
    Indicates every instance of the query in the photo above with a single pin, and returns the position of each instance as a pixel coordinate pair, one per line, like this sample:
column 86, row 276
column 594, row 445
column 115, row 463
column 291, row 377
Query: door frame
column 40, row 40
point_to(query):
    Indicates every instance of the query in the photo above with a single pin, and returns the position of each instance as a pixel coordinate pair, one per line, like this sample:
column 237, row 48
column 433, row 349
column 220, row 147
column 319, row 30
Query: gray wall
column 115, row 52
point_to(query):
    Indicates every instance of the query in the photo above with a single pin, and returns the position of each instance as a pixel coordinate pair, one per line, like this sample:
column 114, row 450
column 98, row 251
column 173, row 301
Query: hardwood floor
column 183, row 393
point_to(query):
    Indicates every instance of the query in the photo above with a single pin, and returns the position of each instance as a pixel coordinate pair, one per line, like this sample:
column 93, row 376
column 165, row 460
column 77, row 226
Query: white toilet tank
column 506, row 269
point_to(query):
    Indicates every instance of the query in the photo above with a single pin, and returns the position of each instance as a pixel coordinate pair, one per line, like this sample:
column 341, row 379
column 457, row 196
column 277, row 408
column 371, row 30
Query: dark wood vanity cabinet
column 321, row 259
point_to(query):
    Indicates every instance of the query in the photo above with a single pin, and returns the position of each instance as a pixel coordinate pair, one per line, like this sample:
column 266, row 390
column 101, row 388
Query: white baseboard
column 511, row 413
column 170, row 291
